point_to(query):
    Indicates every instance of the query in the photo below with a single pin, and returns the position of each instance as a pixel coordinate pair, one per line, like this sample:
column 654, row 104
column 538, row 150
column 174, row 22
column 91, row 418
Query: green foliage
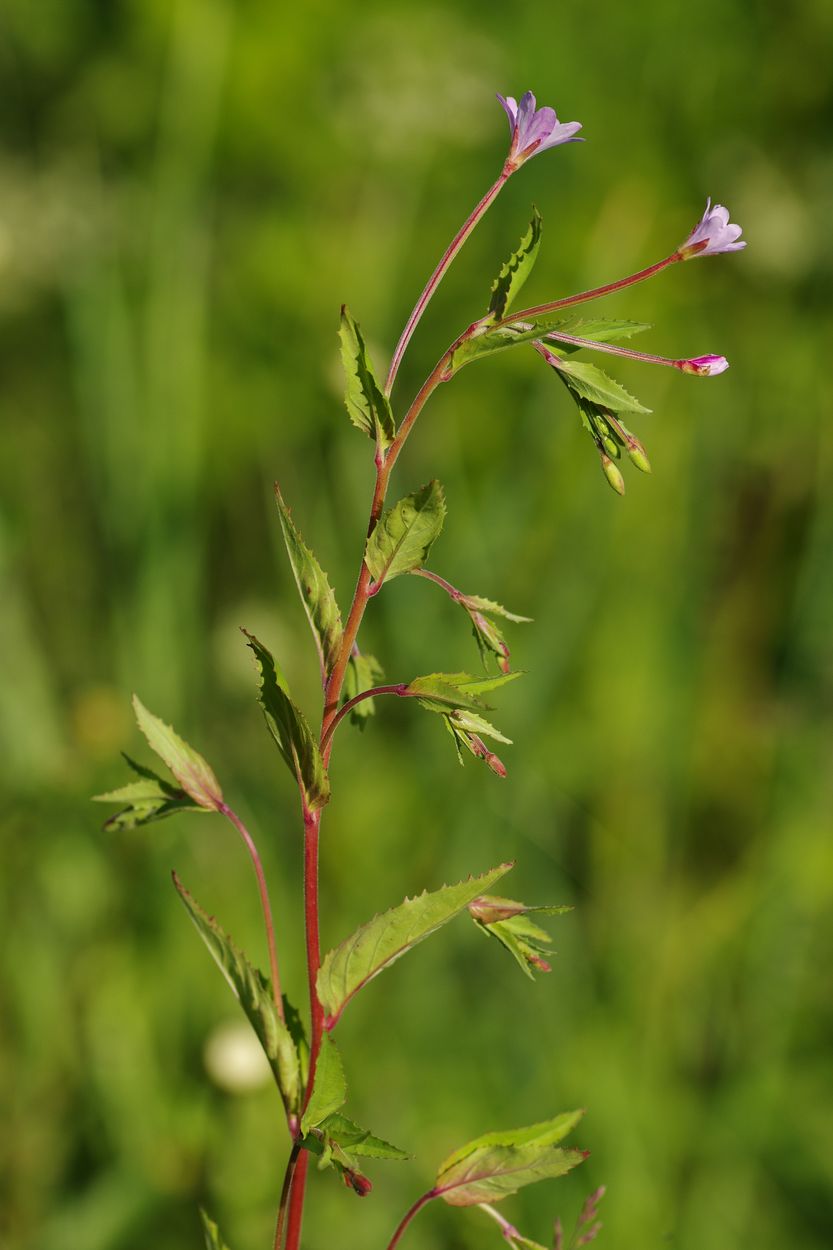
column 151, row 798
column 190, row 769
column 329, row 1086
column 385, row 938
column 515, row 271
column 363, row 672
column 497, row 1165
column 487, row 633
column 367, row 405
column 596, row 329
column 315, row 591
column 509, row 922
column 589, row 382
column 358, row 1141
column 405, row 534
column 487, row 340
column 440, row 691
column 254, row 993
column 213, row 1240
column 288, row 726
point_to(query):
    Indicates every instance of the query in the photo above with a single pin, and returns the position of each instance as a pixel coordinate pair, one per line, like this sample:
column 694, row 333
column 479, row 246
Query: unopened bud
column 612, row 474
column 489, row 909
column 358, row 1183
column 703, row 366
column 637, row 456
column 482, row 752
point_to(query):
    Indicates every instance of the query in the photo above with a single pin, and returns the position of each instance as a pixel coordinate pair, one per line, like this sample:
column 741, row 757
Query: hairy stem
column 573, row 340
column 439, row 273
column 583, row 296
column 264, row 902
column 409, row 1215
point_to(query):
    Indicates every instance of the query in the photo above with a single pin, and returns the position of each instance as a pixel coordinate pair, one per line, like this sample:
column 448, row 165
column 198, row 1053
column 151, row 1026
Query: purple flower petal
column 714, row 233
column 533, row 129
column 703, row 366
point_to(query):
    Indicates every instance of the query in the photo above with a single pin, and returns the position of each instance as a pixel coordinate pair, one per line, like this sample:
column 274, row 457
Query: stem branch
column 583, row 296
column 264, row 902
column 409, row 1215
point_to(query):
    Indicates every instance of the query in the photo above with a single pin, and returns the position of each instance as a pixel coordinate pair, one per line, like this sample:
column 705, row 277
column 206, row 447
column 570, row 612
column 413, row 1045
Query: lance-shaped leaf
column 516, row 270
column 405, row 534
column 141, row 802
column 592, row 383
column 363, row 672
column 515, row 333
column 440, row 691
column 509, row 921
column 190, row 769
column 384, row 939
column 358, row 1141
column 254, row 993
column 315, row 591
column 499, row 1164
column 288, row 726
column 213, row 1240
column 329, row 1086
column 367, row 406
column 487, row 633
column 468, row 730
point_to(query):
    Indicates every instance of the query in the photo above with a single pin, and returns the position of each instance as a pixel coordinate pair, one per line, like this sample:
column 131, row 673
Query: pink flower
column 714, row 233
column 703, row 366
column 533, row 129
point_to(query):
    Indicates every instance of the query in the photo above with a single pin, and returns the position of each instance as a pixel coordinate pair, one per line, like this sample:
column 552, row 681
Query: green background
column 188, row 191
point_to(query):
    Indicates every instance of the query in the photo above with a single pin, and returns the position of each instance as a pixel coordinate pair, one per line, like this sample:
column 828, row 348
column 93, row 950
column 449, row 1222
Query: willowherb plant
column 305, row 1062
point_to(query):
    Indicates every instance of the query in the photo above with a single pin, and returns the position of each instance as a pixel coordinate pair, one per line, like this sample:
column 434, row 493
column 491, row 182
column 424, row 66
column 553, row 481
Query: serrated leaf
column 593, row 384
column 405, row 534
column 315, row 591
column 329, row 1086
column 385, row 938
column 515, row 333
column 213, row 1240
column 145, row 801
column 497, row 1165
column 363, row 672
column 488, row 605
column 358, row 1141
column 516, row 270
column 192, row 772
column 437, row 692
column 254, row 993
column 367, row 406
column 509, row 922
column 288, row 726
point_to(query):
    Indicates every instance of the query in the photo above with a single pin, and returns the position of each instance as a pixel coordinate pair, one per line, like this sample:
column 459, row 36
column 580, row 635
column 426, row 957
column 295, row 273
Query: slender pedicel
column 264, row 902
column 439, row 273
column 702, row 366
column 409, row 1215
column 596, row 292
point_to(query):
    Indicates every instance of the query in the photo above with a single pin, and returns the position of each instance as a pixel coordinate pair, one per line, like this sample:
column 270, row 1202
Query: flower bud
column 637, row 456
column 703, row 366
column 488, row 909
column 612, row 474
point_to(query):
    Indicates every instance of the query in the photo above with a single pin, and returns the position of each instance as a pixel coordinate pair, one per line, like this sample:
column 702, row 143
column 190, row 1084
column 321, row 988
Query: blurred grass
column 188, row 191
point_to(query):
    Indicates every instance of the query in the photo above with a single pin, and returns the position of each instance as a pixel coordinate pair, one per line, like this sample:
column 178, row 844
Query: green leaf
column 514, row 333
column 151, row 798
column 499, row 1164
column 480, row 604
column 363, row 672
column 367, row 406
column 358, row 1141
column 384, row 939
column 315, row 591
column 213, row 1240
column 288, row 726
column 516, row 270
column 405, row 534
column 329, row 1087
column 591, row 383
column 440, row 691
column 254, row 993
column 190, row 769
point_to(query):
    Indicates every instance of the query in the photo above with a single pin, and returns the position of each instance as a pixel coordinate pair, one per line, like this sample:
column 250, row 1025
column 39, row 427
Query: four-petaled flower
column 533, row 129
column 714, row 233
column 703, row 366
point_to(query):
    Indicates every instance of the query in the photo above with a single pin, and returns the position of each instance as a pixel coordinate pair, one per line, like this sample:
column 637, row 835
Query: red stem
column 296, row 1201
column 287, row 1185
column 409, row 1215
column 264, row 902
column 595, row 293
column 439, row 273
column 401, row 689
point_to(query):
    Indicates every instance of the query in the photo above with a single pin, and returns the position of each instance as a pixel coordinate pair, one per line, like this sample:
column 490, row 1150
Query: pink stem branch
column 400, row 689
column 583, row 296
column 409, row 1215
